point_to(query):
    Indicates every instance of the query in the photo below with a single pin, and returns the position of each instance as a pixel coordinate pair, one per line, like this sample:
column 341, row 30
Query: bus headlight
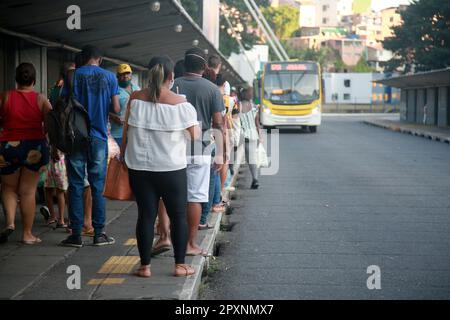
column 266, row 110
column 316, row 109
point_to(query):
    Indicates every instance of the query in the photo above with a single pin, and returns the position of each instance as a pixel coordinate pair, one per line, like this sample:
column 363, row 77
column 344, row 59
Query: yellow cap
column 124, row 68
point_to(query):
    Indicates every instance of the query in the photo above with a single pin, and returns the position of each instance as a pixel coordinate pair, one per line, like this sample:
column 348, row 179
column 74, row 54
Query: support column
column 443, row 107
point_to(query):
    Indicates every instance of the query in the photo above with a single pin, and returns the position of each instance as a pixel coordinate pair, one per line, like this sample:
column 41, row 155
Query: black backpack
column 68, row 124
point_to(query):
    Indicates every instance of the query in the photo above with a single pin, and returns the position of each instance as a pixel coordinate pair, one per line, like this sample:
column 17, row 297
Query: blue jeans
column 95, row 158
column 206, row 206
column 217, row 187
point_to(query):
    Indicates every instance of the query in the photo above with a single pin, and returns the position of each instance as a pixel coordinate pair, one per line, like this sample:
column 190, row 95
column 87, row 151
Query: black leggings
column 149, row 187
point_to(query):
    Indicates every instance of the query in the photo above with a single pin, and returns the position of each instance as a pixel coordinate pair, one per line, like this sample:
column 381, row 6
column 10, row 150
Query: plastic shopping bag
column 263, row 161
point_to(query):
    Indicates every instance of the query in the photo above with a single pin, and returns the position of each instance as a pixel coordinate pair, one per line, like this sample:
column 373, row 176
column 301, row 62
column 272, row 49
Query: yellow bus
column 290, row 94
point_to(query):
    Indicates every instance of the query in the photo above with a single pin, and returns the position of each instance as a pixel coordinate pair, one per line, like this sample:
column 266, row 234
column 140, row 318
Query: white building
column 348, row 88
column 324, row 13
column 248, row 64
column 211, row 21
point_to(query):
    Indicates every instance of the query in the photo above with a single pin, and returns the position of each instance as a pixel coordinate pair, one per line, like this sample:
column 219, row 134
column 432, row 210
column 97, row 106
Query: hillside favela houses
column 350, row 29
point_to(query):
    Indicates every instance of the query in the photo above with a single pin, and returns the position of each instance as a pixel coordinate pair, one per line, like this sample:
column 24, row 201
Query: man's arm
column 115, row 103
column 219, row 137
column 258, row 127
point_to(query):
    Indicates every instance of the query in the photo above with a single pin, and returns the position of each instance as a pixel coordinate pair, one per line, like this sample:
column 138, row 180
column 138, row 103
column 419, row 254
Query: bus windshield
column 291, row 87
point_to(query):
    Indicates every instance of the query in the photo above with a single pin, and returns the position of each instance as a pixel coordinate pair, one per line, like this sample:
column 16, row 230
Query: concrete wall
column 444, row 107
column 431, row 106
column 404, row 110
column 8, row 61
column 412, row 110
column 38, row 57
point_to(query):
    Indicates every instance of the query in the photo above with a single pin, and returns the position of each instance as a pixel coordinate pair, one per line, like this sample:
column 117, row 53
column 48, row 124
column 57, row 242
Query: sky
column 381, row 4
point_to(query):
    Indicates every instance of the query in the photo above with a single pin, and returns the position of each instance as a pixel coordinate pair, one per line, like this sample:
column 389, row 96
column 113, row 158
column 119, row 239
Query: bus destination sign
column 291, row 67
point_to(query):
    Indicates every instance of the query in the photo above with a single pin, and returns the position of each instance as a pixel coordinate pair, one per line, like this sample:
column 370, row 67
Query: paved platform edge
column 191, row 287
column 411, row 131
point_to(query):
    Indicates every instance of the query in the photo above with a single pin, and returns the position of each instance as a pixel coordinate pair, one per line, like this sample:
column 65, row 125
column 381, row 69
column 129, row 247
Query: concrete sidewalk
column 40, row 271
column 426, row 131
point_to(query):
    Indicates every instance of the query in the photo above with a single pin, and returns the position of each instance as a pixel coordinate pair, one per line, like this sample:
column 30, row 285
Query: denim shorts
column 30, row 154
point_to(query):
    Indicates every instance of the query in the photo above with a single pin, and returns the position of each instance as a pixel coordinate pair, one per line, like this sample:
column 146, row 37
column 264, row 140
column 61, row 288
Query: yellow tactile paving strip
column 131, row 242
column 119, row 264
column 107, row 281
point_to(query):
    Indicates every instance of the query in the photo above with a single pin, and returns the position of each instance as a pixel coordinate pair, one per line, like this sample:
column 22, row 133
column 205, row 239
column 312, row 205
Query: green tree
column 283, row 20
column 362, row 66
column 325, row 56
column 422, row 42
column 243, row 27
column 192, row 7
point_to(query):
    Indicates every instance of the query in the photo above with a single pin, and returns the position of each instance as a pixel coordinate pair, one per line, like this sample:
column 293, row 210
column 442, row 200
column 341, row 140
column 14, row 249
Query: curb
column 411, row 131
column 191, row 287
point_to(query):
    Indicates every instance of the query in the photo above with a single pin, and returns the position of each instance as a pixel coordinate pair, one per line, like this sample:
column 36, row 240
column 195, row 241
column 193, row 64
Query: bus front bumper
column 268, row 119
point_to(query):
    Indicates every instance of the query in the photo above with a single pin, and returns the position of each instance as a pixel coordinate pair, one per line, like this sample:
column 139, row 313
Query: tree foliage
column 422, row 42
column 240, row 19
column 362, row 66
column 283, row 20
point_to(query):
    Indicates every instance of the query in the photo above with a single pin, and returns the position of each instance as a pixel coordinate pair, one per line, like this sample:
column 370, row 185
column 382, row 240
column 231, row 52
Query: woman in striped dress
column 251, row 132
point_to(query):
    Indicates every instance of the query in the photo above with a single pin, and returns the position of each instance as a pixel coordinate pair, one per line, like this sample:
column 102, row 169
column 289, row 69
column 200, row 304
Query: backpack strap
column 70, row 81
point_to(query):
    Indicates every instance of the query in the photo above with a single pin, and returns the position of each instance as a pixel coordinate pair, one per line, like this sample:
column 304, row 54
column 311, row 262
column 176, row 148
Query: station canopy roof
column 127, row 31
column 435, row 78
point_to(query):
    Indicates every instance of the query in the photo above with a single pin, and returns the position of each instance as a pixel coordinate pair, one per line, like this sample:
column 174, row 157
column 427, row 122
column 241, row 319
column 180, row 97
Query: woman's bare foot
column 183, row 270
column 196, row 251
column 144, row 272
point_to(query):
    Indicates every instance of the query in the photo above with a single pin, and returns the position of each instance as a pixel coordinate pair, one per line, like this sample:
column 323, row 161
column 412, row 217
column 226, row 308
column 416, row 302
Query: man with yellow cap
column 126, row 87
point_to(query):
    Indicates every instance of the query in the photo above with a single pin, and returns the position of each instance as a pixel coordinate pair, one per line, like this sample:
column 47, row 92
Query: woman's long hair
column 160, row 69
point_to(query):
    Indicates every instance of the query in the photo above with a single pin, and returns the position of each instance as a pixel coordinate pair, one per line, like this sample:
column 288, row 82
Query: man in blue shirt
column 95, row 88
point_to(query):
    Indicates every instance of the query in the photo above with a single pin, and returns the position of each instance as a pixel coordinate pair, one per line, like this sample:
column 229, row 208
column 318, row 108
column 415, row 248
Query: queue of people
column 177, row 136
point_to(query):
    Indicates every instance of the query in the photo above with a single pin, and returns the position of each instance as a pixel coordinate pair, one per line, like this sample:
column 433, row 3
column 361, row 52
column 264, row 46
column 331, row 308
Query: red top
column 21, row 117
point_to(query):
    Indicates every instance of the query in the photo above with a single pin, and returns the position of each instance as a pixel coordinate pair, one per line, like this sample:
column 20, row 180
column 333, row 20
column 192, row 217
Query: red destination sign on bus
column 289, row 67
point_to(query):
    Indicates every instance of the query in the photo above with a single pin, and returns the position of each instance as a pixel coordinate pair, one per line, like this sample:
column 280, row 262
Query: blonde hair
column 156, row 82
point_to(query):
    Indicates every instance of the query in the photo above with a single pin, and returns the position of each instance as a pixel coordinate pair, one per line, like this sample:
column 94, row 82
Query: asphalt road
column 346, row 198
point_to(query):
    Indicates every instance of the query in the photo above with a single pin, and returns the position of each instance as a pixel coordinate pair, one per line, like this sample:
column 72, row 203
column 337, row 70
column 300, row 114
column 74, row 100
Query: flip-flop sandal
column 217, row 210
column 52, row 221
column 88, row 233
column 61, row 226
column 158, row 250
column 187, row 271
column 203, row 253
column 205, row 227
column 32, row 242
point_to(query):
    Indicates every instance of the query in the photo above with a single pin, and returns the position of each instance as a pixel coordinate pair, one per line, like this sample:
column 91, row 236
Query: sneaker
column 103, row 240
column 45, row 212
column 72, row 241
column 255, row 185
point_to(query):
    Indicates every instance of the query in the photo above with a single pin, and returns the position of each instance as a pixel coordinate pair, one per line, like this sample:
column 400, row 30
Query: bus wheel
column 313, row 129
